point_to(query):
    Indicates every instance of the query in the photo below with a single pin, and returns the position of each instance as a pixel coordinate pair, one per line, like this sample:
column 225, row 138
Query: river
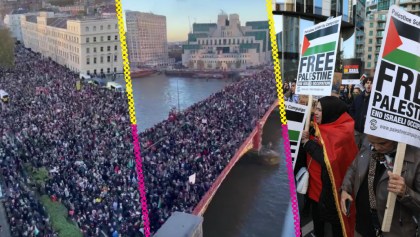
column 155, row 96
column 254, row 198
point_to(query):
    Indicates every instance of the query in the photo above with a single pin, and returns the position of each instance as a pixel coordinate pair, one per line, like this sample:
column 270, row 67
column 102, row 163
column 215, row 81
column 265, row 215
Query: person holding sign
column 330, row 152
column 368, row 181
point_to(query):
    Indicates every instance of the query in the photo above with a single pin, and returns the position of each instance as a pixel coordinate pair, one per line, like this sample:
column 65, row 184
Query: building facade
column 88, row 46
column 12, row 21
column 412, row 6
column 147, row 39
column 375, row 23
column 359, row 26
column 227, row 44
column 374, row 30
column 291, row 17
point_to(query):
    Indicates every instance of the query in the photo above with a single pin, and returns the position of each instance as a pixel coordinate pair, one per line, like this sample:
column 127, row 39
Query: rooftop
column 18, row 11
column 32, row 19
column 57, row 22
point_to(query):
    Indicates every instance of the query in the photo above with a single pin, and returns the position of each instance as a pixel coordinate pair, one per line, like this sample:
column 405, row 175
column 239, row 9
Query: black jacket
column 358, row 111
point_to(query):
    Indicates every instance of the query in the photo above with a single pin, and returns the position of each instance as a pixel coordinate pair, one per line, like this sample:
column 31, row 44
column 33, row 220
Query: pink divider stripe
column 140, row 178
column 289, row 165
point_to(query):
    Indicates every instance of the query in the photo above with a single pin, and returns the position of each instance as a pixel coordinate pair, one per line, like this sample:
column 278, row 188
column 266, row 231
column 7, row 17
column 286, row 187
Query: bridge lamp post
column 177, row 89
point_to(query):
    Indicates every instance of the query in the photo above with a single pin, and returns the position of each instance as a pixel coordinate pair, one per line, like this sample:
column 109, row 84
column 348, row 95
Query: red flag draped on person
column 337, row 138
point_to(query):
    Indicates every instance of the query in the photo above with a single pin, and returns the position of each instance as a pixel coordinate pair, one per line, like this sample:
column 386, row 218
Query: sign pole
column 392, row 197
column 308, row 116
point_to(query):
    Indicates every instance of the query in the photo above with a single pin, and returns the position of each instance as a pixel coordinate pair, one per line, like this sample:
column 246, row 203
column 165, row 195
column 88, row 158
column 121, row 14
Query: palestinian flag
column 294, row 141
column 295, row 124
column 402, row 45
column 320, row 41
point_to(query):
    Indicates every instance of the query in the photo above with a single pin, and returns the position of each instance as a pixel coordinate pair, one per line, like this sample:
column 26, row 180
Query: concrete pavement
column 5, row 230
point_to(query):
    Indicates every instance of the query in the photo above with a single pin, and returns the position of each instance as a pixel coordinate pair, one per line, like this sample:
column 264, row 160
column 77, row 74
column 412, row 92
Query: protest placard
column 317, row 59
column 394, row 106
column 296, row 116
column 352, row 69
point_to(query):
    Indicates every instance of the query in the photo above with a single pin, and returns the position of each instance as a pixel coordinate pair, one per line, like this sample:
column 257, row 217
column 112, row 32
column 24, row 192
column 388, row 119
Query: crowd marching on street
column 83, row 138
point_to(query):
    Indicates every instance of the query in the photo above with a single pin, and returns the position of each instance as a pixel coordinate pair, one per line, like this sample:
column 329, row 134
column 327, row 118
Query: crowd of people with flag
column 358, row 164
column 83, row 139
column 359, row 169
column 199, row 142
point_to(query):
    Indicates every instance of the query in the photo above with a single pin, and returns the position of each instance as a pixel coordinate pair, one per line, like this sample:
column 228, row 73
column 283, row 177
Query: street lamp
column 177, row 90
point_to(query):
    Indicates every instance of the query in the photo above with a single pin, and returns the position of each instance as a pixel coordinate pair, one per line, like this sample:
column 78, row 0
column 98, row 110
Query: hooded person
column 329, row 153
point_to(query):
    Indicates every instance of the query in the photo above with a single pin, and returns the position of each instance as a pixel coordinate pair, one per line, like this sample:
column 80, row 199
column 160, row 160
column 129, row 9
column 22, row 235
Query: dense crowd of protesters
column 27, row 217
column 83, row 138
column 201, row 141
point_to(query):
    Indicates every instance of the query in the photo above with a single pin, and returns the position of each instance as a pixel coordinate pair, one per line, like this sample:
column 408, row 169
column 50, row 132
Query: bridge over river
column 248, row 198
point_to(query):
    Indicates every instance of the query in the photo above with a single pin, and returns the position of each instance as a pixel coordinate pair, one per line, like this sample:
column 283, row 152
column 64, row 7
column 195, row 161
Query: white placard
column 317, row 58
column 394, row 106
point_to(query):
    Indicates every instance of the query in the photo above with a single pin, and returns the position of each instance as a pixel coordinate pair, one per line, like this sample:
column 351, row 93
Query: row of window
column 378, row 48
column 58, row 54
column 102, row 38
column 226, row 33
column 101, row 59
column 378, row 41
column 217, row 56
column 380, row 25
column 369, row 63
column 199, row 51
column 224, row 41
column 220, row 62
column 408, row 8
column 101, row 27
column 74, row 58
column 108, row 70
column 378, row 33
column 50, row 33
column 101, row 49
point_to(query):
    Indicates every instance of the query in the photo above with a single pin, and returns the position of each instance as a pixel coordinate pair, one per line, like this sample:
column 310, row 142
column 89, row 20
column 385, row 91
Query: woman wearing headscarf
column 330, row 150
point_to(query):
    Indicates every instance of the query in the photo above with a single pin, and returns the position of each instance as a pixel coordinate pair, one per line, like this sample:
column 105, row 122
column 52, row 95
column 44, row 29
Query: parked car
column 84, row 76
column 114, row 86
column 97, row 81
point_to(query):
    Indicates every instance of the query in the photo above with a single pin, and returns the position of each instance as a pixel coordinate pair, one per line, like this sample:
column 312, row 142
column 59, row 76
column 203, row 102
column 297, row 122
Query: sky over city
column 181, row 13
